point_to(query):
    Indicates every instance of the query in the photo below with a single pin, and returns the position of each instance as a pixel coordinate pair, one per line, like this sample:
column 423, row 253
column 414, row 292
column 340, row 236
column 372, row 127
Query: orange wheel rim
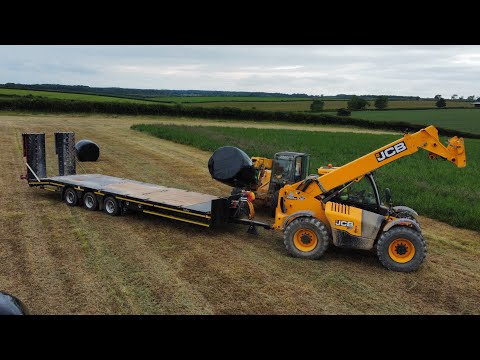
column 305, row 240
column 401, row 250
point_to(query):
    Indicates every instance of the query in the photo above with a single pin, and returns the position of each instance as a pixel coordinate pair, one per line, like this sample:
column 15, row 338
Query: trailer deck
column 154, row 199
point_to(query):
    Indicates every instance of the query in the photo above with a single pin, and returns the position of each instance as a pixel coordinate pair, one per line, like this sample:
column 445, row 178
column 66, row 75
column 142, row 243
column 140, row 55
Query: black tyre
column 90, row 201
column 70, row 197
column 306, row 238
column 401, row 249
column 111, row 206
column 273, row 203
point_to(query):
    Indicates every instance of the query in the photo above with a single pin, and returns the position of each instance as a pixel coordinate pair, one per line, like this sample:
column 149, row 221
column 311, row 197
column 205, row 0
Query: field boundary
column 68, row 106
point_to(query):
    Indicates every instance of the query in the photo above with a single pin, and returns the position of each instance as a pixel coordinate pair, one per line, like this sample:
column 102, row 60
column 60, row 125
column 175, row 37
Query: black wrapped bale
column 232, row 166
column 87, row 150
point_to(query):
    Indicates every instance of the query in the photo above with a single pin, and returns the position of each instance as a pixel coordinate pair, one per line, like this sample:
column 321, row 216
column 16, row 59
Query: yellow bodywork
column 344, row 217
column 264, row 166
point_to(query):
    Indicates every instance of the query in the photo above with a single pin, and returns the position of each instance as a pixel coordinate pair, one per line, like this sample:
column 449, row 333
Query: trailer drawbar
column 117, row 196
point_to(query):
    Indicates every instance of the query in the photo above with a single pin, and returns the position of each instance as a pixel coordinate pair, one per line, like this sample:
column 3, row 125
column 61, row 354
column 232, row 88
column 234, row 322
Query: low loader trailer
column 118, row 196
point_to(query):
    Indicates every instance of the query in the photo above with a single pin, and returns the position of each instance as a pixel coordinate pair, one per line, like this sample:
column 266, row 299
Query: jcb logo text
column 392, row 150
column 347, row 224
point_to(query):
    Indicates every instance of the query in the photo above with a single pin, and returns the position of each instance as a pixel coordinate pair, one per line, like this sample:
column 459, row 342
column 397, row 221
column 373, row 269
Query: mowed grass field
column 456, row 119
column 63, row 260
column 430, row 187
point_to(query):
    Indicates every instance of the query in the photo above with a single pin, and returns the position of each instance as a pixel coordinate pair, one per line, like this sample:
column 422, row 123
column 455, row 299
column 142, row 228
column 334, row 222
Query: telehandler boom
column 339, row 207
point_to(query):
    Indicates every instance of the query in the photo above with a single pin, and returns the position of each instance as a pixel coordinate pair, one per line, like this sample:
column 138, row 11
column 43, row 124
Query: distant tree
column 454, row 96
column 357, row 103
column 381, row 102
column 317, row 105
column 441, row 103
column 471, row 97
column 343, row 112
column 460, row 98
column 438, row 97
column 417, row 98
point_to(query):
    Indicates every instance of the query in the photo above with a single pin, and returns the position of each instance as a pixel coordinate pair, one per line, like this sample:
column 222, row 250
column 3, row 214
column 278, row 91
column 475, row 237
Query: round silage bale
column 87, row 150
column 231, row 166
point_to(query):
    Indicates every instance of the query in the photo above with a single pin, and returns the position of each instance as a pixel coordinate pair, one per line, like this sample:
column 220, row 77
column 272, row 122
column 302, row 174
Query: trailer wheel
column 401, row 249
column 111, row 206
column 90, row 201
column 71, row 197
column 306, row 237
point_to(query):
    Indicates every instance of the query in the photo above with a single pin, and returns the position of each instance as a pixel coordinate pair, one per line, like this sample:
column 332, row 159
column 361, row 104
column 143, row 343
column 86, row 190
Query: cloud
column 390, row 69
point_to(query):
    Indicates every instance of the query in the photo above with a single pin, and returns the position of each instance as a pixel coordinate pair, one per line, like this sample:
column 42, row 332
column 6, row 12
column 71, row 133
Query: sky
column 315, row 70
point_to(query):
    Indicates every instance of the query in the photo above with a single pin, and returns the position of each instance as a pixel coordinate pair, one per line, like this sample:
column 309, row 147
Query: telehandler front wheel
column 401, row 249
column 306, row 238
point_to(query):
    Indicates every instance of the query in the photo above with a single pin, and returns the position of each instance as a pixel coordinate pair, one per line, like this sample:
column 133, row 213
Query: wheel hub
column 401, row 249
column 306, row 239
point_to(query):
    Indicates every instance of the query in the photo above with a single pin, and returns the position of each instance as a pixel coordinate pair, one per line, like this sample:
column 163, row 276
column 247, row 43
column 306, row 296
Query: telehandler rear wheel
column 306, row 238
column 401, row 249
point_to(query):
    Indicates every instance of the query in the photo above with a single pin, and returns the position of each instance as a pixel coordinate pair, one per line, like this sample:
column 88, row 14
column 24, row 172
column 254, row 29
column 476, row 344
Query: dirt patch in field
column 63, row 260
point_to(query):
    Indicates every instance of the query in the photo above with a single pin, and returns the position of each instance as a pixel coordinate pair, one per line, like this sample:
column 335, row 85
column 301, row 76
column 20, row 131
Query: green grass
column 216, row 99
column 436, row 189
column 455, row 119
column 66, row 96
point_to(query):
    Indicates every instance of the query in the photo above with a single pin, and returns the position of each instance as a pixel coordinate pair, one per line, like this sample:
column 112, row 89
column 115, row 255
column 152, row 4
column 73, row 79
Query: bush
column 381, row 102
column 343, row 112
column 317, row 105
column 357, row 103
column 441, row 103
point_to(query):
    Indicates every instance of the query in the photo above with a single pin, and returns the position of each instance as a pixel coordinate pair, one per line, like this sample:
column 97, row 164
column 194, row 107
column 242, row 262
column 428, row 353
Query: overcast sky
column 393, row 70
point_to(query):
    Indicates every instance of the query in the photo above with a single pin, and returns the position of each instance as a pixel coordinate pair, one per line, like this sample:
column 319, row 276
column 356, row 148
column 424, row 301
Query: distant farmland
column 66, row 96
column 304, row 105
column 217, row 99
column 457, row 119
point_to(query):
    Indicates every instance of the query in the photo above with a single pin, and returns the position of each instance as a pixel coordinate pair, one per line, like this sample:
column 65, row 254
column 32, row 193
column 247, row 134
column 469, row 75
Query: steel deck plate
column 152, row 193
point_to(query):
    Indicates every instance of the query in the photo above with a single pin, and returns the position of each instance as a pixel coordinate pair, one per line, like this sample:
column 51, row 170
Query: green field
column 436, row 189
column 216, row 99
column 66, row 96
column 456, row 119
column 329, row 104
